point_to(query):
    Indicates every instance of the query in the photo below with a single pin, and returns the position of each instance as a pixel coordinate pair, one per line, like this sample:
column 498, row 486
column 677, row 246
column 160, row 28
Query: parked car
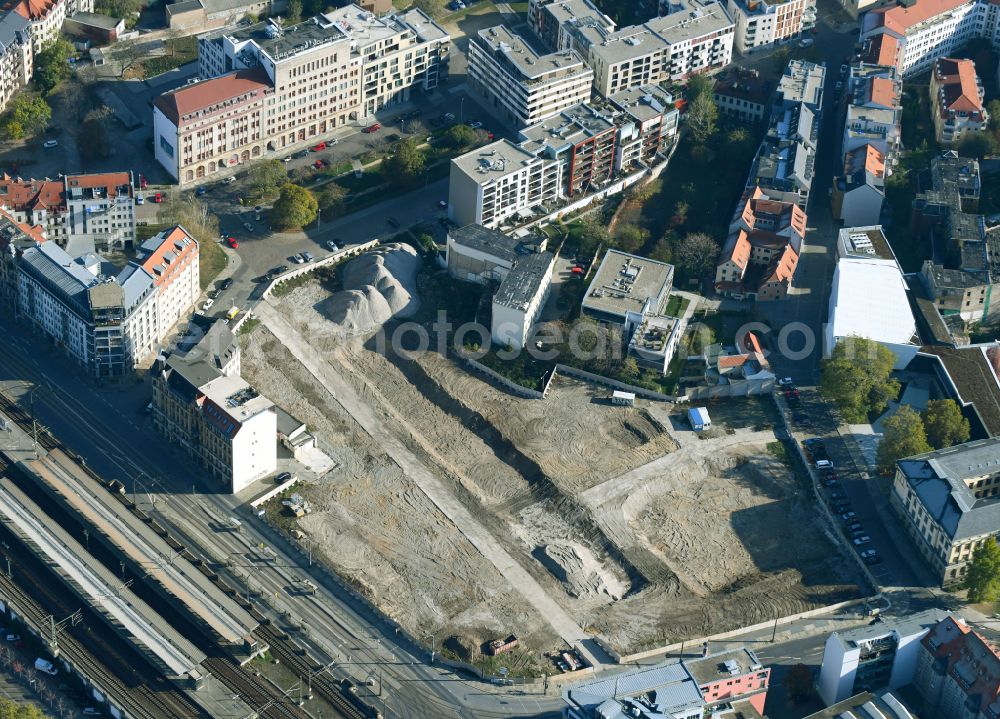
column 332, row 141
column 308, row 256
column 49, row 144
column 824, row 464
column 231, row 179
column 48, row 667
column 143, row 183
column 300, row 154
column 868, row 553
column 91, row 712
column 200, row 191
column 373, row 128
column 296, row 259
column 158, row 197
column 874, row 559
column 13, row 637
column 226, row 284
column 331, row 245
column 287, row 159
column 278, row 270
column 140, row 200
column 448, row 117
column 858, row 533
column 319, row 164
column 848, row 516
column 806, row 42
column 320, row 147
column 283, row 477
column 855, row 527
column 785, row 382
column 442, row 204
column 863, row 539
column 213, row 294
column 474, row 124
column 207, row 305
column 248, row 227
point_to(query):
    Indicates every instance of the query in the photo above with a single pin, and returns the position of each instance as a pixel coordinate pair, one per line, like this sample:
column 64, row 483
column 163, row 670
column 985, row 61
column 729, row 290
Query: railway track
column 261, row 696
column 140, row 700
column 304, row 668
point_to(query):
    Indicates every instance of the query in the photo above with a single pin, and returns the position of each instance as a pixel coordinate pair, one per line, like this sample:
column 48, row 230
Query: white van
column 46, row 666
column 824, row 464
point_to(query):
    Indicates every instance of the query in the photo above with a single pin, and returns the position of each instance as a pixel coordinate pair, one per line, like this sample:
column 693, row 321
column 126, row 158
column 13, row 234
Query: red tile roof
column 733, row 360
column 900, row 18
column 866, row 157
column 199, row 96
column 109, row 181
column 26, row 195
column 957, row 80
column 883, row 50
column 36, row 233
column 156, row 258
column 737, row 250
column 30, row 9
column 882, row 92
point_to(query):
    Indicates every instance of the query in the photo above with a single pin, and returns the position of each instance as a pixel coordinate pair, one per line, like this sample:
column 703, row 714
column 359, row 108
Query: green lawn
column 211, row 261
column 676, row 306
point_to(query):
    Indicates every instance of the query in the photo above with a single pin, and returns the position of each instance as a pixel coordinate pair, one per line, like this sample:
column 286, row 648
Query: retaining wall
column 615, row 384
column 331, row 259
column 509, row 385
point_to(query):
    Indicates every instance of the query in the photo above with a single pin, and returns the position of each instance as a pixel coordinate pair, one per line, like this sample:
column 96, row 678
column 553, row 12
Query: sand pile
column 378, row 286
column 579, row 570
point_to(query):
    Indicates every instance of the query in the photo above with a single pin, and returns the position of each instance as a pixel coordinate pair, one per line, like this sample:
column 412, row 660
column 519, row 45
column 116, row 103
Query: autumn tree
column 295, row 208
column 631, row 238
column 265, row 179
column 944, row 423
column 51, row 65
column 407, row 163
column 857, row 378
column 702, row 112
column 902, row 436
column 27, row 115
column 983, row 576
column 696, row 254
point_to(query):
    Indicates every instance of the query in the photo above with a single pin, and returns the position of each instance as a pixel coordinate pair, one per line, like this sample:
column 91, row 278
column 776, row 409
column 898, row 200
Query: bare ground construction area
column 639, row 532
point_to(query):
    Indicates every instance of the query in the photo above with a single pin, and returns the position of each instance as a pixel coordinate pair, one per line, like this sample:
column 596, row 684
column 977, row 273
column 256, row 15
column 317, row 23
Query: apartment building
column 520, row 85
column 697, row 36
column 762, row 251
column 551, row 20
column 785, row 163
column 81, row 213
column 957, row 98
column 45, row 16
column 582, row 140
column 958, row 673
column 947, row 502
column 742, row 94
column 108, row 321
column 273, row 87
column 16, row 56
column 646, row 119
column 15, row 238
column 521, row 269
column 802, row 81
column 489, row 185
column 761, row 24
column 924, row 30
column 723, row 685
column 874, row 657
column 201, row 404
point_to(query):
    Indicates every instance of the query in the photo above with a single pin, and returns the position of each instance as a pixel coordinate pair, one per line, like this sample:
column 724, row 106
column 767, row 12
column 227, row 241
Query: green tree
column 406, row 165
column 331, row 197
column 857, row 378
column 696, row 254
column 798, row 683
column 295, row 208
column 702, row 113
column 977, row 144
column 27, row 115
column 983, row 577
column 117, row 8
column 265, row 179
column 51, row 66
column 294, row 11
column 993, row 108
column 663, row 249
column 902, row 436
column 590, row 235
column 944, row 423
column 459, row 136
column 631, row 238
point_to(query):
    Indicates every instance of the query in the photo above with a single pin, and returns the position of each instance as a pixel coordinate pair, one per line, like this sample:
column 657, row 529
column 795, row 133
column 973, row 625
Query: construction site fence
column 331, row 259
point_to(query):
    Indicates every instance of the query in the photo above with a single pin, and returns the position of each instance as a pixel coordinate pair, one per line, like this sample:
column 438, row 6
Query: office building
column 957, row 98
column 520, row 85
column 947, row 501
column 272, row 87
column 761, row 24
column 878, row 656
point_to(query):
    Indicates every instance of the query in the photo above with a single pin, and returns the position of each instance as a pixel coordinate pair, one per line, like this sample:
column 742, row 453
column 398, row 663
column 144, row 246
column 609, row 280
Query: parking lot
column 859, row 504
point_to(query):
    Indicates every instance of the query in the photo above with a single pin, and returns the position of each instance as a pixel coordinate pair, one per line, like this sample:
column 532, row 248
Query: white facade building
column 16, row 56
column 761, row 24
column 495, row 182
column 521, row 85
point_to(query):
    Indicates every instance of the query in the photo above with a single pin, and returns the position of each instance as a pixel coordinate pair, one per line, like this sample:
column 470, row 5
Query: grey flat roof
column 490, row 162
column 692, row 19
column 611, row 293
column 938, row 479
column 670, row 683
column 578, row 11
column 868, row 241
column 97, row 20
column 570, row 127
column 963, row 172
column 643, row 102
column 905, row 626
column 61, row 275
column 293, row 39
column 802, row 81
column 13, row 28
column 524, row 280
column 486, row 240
column 519, row 55
column 421, row 23
column 713, row 667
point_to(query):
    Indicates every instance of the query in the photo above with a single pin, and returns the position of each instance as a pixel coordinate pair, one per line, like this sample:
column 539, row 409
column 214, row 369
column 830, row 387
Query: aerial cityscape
column 577, row 359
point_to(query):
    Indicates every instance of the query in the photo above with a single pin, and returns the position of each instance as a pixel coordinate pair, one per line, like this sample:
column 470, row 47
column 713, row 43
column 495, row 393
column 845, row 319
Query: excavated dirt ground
column 641, row 539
